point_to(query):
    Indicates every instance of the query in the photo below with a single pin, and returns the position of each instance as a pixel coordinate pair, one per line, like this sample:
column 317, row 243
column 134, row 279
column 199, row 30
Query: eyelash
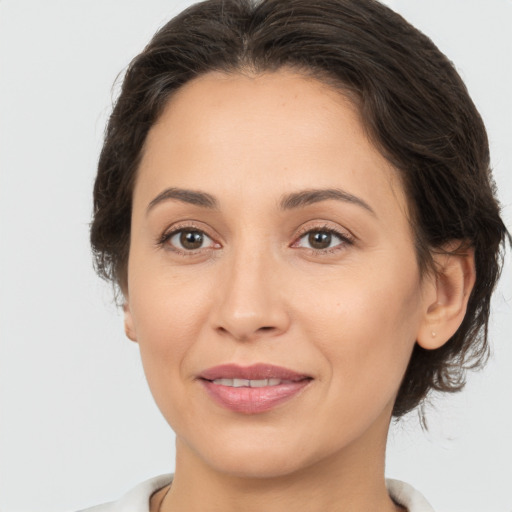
column 345, row 239
column 163, row 241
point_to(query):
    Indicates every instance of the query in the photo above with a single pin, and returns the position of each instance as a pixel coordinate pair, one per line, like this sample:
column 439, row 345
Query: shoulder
column 137, row 499
column 407, row 496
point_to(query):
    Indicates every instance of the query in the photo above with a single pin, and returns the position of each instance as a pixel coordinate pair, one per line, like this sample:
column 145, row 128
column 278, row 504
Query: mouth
column 249, row 383
column 252, row 389
column 255, row 372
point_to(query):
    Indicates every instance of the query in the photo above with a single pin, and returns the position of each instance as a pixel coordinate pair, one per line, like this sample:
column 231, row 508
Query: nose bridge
column 250, row 297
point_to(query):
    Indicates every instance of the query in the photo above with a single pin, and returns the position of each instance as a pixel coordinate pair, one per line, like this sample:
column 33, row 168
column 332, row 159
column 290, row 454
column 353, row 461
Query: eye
column 322, row 240
column 188, row 240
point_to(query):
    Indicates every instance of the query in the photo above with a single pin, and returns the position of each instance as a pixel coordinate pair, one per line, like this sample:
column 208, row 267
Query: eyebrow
column 312, row 196
column 288, row 202
column 186, row 196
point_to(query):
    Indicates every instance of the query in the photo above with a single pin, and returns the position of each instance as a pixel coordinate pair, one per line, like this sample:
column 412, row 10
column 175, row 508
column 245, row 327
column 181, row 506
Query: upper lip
column 253, row 372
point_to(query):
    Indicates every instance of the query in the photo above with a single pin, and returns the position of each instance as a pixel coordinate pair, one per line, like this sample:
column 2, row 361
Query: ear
column 448, row 294
column 129, row 328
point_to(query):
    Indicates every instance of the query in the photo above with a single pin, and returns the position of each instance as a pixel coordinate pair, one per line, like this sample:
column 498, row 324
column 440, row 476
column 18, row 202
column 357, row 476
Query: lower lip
column 248, row 400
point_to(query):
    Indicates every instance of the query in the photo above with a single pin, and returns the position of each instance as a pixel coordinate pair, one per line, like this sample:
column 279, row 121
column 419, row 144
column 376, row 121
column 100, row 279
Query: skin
column 257, row 290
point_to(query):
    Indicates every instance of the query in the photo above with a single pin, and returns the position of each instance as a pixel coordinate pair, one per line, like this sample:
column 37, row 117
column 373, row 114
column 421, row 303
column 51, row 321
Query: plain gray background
column 77, row 423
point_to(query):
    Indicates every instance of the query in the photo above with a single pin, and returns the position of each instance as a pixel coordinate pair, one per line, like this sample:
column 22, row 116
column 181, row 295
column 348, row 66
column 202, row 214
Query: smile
column 248, row 383
column 252, row 389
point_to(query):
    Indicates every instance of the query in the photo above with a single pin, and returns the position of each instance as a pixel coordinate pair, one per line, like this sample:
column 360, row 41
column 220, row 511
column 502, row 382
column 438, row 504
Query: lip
column 253, row 400
column 255, row 371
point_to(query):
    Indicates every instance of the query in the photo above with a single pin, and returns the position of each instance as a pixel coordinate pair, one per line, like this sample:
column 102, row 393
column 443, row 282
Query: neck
column 351, row 480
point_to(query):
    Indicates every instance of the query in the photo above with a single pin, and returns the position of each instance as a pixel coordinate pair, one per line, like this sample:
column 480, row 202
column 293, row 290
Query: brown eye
column 319, row 239
column 322, row 239
column 189, row 240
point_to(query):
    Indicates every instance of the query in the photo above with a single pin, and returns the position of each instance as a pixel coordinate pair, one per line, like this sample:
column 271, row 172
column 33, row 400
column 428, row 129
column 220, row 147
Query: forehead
column 228, row 132
column 217, row 108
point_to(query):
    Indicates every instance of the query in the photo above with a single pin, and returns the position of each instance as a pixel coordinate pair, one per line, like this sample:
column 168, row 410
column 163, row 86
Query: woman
column 296, row 205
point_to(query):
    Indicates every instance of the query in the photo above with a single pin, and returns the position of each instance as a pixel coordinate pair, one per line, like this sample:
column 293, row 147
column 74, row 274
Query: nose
column 250, row 299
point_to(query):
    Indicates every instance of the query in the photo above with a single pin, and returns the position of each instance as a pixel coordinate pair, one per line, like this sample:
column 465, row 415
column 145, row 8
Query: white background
column 77, row 423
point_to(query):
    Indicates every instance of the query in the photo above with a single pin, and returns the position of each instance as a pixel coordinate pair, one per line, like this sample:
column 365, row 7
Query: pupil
column 191, row 239
column 320, row 239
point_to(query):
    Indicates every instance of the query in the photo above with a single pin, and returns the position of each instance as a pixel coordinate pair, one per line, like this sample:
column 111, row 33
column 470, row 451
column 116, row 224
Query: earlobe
column 447, row 303
column 128, row 322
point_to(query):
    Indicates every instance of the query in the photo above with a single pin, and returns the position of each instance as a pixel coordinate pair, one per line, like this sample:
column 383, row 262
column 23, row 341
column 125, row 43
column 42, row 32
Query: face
column 273, row 285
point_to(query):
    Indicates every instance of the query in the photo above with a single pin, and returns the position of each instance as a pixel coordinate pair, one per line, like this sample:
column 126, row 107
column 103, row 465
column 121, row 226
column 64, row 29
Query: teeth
column 239, row 383
column 224, row 382
column 259, row 383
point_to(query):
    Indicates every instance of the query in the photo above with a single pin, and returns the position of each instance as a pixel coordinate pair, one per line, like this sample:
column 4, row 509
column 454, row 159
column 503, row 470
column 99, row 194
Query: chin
column 257, row 466
column 253, row 456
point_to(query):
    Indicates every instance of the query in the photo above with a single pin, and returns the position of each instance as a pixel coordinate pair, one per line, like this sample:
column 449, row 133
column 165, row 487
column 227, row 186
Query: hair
column 413, row 104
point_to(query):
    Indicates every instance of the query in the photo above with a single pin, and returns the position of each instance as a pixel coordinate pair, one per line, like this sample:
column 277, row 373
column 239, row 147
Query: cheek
column 168, row 315
column 164, row 301
column 365, row 324
column 167, row 321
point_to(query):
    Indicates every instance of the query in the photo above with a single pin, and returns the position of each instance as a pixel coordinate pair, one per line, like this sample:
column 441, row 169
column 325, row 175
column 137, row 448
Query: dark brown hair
column 413, row 104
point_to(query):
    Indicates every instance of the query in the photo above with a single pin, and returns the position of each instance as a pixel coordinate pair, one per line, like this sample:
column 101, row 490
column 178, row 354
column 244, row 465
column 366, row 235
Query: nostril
column 266, row 328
